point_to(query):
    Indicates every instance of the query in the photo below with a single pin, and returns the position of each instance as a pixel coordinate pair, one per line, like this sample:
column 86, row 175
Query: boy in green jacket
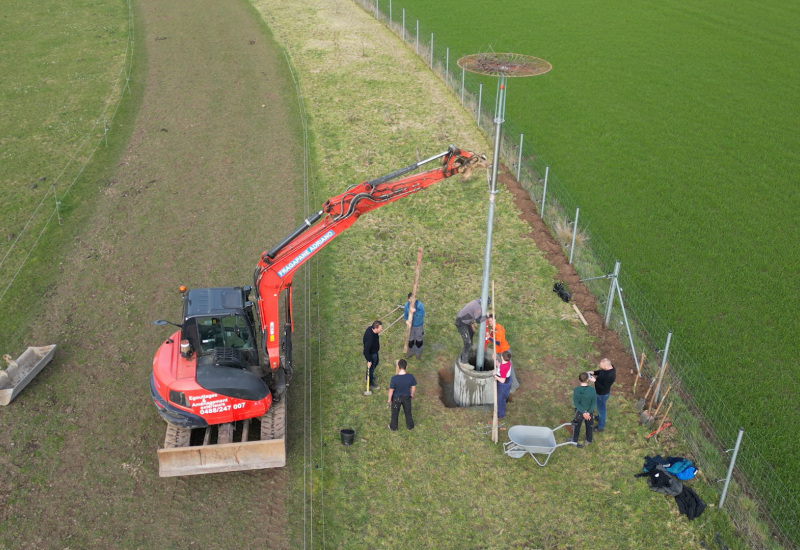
column 584, row 399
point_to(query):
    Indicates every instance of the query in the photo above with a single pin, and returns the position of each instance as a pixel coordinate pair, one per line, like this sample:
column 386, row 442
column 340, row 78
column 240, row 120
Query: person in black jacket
column 372, row 345
column 604, row 377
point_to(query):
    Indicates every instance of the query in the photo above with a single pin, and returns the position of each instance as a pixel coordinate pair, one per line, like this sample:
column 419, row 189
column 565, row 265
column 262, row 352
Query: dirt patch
column 607, row 342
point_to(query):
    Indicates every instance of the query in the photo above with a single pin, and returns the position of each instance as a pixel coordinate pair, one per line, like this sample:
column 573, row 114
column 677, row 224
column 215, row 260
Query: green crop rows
column 674, row 127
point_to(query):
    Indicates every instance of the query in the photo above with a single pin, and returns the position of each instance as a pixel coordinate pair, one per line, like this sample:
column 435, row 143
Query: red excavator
column 231, row 360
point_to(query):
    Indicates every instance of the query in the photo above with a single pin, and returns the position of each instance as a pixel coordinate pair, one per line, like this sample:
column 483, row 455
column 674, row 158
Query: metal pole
column 417, row 37
column 574, row 233
column 730, row 468
column 611, row 289
column 519, row 157
column 480, row 98
column 500, row 107
column 390, row 14
column 462, row 86
column 431, row 50
column 627, row 326
column 404, row 25
column 544, row 190
column 447, row 64
column 664, row 361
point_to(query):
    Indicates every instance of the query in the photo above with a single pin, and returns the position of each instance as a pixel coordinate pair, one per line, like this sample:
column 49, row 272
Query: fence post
column 404, row 25
column 544, row 190
column 574, row 233
column 390, row 14
column 462, row 86
column 431, row 50
column 664, row 361
column 417, row 37
column 611, row 289
column 480, row 98
column 627, row 325
column 730, row 468
column 519, row 157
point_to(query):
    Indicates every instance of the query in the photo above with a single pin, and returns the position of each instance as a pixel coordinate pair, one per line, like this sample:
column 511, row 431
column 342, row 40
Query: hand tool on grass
column 648, row 418
column 638, row 373
column 654, row 432
column 666, row 414
column 367, row 381
column 640, row 404
column 658, row 385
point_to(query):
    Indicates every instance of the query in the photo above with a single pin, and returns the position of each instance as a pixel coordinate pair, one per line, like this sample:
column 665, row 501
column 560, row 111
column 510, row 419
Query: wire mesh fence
column 21, row 250
column 758, row 501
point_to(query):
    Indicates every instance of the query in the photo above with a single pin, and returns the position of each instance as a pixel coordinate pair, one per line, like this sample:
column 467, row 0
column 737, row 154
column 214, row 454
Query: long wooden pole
column 494, row 382
column 413, row 299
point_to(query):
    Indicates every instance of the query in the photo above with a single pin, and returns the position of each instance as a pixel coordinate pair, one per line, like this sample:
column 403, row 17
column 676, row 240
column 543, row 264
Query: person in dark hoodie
column 584, row 399
column 603, row 378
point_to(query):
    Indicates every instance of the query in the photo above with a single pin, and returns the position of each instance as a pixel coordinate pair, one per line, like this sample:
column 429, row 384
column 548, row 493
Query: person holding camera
column 584, row 399
column 603, row 378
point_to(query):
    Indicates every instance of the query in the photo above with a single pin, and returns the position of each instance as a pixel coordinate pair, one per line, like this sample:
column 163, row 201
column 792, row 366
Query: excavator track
column 177, row 437
column 273, row 424
column 226, row 447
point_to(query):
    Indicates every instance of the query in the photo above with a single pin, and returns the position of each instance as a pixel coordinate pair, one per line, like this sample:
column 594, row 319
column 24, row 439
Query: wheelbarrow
column 533, row 440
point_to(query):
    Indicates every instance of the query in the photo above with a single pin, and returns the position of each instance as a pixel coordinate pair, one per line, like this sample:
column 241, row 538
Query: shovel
column 643, row 400
column 638, row 373
column 646, row 418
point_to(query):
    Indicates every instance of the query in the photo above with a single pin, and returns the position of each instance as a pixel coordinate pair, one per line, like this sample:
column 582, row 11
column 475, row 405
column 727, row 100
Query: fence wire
column 759, row 503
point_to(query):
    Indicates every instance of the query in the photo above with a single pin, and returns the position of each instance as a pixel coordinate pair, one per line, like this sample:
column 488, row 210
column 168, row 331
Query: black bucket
column 347, row 436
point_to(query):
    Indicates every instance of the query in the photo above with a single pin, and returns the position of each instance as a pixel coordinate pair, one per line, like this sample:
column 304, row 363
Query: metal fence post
column 404, row 25
column 431, row 50
column 519, row 157
column 613, row 287
column 390, row 14
column 544, row 189
column 730, row 468
column 480, row 98
column 664, row 361
column 625, row 318
column 447, row 66
column 574, row 233
column 417, row 37
column 462, row 86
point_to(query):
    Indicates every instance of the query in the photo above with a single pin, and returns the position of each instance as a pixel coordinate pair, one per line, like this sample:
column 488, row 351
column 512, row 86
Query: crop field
column 674, row 127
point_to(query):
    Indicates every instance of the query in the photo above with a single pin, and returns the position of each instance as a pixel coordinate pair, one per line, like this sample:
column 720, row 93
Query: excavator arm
column 276, row 267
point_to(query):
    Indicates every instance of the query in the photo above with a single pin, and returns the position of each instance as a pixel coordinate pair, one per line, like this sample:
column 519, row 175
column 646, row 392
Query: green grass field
column 674, row 127
column 64, row 67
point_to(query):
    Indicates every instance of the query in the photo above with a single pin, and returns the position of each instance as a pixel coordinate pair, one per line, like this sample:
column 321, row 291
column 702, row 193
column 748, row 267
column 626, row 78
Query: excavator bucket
column 227, row 457
column 261, row 444
column 21, row 371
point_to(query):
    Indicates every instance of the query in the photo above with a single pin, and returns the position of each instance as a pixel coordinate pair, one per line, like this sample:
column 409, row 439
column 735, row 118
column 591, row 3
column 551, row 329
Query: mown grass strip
column 373, row 108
